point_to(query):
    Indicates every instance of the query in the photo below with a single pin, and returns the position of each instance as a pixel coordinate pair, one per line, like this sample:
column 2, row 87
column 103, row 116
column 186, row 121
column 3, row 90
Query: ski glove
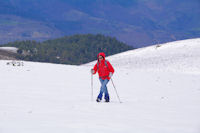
column 92, row 71
column 110, row 74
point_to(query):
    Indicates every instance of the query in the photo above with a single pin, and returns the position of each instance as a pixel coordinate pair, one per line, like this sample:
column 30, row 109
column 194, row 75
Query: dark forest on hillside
column 75, row 50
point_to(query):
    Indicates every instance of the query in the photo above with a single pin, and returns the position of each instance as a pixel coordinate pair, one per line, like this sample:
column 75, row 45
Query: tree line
column 75, row 50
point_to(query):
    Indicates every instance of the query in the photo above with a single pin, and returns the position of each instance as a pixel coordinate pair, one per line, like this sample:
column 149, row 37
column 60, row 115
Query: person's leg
column 101, row 89
column 107, row 98
column 104, row 89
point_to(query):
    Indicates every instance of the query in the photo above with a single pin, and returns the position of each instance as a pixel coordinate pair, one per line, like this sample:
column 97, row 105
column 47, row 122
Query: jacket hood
column 101, row 54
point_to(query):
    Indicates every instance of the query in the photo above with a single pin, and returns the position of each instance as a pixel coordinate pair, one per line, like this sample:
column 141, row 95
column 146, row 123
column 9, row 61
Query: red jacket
column 103, row 69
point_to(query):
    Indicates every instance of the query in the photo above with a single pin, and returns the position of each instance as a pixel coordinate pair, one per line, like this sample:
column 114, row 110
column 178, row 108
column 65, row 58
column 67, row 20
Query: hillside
column 138, row 23
column 75, row 50
column 8, row 53
column 5, row 55
column 175, row 56
column 44, row 97
column 19, row 28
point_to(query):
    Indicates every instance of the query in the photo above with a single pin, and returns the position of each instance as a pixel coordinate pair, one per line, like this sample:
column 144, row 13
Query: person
column 105, row 71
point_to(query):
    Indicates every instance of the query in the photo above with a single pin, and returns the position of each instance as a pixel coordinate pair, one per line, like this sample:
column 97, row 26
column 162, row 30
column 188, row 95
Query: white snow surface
column 159, row 89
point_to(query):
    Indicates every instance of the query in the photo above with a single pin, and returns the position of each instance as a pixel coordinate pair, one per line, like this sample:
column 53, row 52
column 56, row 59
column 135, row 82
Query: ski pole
column 91, row 87
column 116, row 91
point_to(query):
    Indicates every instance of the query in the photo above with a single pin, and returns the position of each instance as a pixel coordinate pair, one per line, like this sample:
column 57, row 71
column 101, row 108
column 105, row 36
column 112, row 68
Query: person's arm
column 94, row 70
column 110, row 67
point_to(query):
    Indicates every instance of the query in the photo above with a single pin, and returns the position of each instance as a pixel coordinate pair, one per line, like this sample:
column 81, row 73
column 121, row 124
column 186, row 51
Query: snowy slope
column 175, row 56
column 157, row 97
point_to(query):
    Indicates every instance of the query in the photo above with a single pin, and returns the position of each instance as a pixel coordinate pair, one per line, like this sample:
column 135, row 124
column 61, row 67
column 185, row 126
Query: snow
column 158, row 96
column 10, row 49
column 179, row 56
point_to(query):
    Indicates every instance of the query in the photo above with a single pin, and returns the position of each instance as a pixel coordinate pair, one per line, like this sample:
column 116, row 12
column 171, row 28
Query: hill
column 51, row 98
column 77, row 49
column 174, row 56
column 136, row 22
column 6, row 55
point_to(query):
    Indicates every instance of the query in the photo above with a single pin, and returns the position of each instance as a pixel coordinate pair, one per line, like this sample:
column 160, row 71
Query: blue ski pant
column 104, row 89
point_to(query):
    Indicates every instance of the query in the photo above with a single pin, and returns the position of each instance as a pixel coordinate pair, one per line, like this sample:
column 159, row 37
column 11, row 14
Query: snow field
column 49, row 98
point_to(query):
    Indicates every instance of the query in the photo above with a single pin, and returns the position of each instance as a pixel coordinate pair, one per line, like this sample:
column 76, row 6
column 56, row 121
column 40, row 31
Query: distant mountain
column 18, row 28
column 135, row 22
column 76, row 49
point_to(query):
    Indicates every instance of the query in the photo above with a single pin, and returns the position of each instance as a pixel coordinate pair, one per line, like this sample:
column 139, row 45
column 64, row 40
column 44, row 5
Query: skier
column 105, row 71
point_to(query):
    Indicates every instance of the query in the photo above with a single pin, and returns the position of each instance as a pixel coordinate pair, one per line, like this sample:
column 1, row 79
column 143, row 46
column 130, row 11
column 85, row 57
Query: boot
column 98, row 100
column 107, row 100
